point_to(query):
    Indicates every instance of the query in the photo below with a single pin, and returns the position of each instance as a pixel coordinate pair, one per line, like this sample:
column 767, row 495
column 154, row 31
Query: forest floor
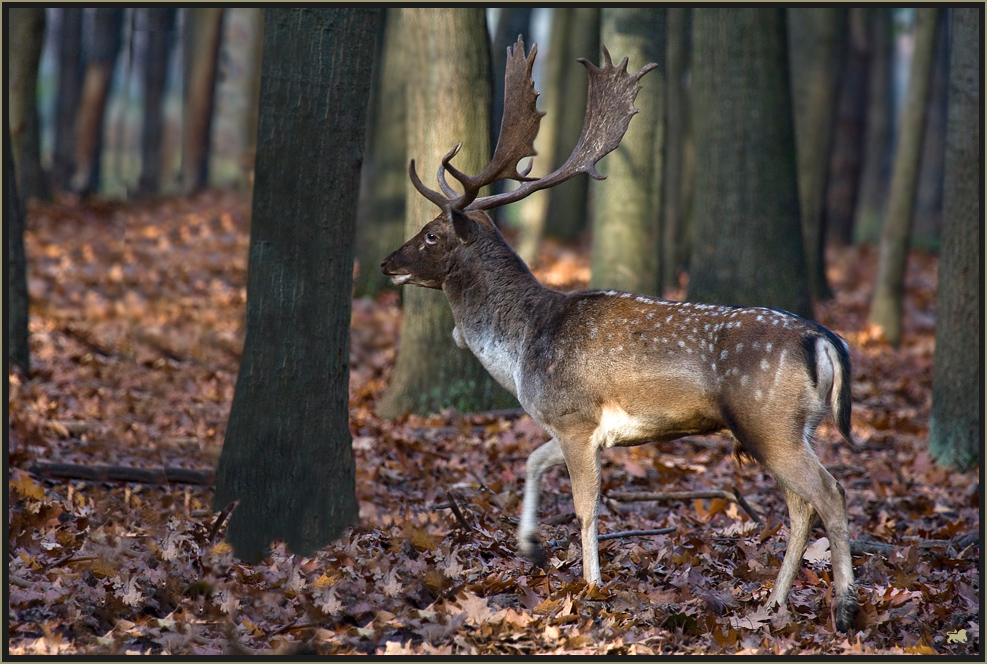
column 136, row 331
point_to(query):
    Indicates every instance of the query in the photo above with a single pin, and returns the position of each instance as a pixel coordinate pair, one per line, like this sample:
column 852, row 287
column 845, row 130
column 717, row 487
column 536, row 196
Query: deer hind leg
column 543, row 458
column 582, row 458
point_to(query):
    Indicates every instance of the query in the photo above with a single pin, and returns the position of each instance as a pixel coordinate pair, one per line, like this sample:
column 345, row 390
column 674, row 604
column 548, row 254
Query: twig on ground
column 957, row 544
column 672, row 496
column 636, row 533
column 221, row 518
column 746, row 506
column 454, row 506
column 85, row 341
column 560, row 519
column 122, row 473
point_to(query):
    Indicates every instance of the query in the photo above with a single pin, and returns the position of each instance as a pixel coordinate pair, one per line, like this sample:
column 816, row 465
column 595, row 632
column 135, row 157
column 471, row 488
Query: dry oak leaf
column 477, row 609
column 26, row 487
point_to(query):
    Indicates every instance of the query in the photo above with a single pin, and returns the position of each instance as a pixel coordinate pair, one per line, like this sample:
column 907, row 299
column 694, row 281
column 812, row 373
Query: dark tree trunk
column 626, row 205
column 928, row 198
column 878, row 142
column 18, row 351
column 568, row 202
column 103, row 46
column 70, row 72
column 747, row 248
column 844, row 166
column 380, row 221
column 159, row 25
column 448, row 95
column 673, row 250
column 204, row 30
column 956, row 427
column 887, row 305
column 816, row 51
column 26, row 34
column 288, row 452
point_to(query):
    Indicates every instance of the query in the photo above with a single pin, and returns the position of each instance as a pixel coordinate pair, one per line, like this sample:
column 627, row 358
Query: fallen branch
column 122, row 473
column 454, row 506
column 636, row 533
column 560, row 519
column 673, row 496
column 221, row 518
column 88, row 343
column 957, row 543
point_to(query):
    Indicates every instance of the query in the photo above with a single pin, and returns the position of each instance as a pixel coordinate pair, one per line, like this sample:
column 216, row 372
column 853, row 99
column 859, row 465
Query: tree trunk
column 626, row 205
column 288, row 452
column 844, row 165
column 878, row 140
column 18, row 350
column 204, row 31
column 103, row 47
column 956, row 424
column 26, row 34
column 816, row 51
column 887, row 304
column 158, row 24
column 568, row 202
column 748, row 246
column 673, row 252
column 448, row 97
column 533, row 210
column 928, row 198
column 250, row 125
column 380, row 221
column 67, row 98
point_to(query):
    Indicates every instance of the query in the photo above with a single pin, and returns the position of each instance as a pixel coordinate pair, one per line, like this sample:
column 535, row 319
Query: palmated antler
column 609, row 109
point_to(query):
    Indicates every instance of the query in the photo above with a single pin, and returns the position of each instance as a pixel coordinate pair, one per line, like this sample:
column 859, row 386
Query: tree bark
column 928, row 197
column 159, row 25
column 18, row 350
column 26, row 33
column 103, row 47
column 845, row 162
column 568, row 202
column 204, row 29
column 816, row 51
column 886, row 308
column 448, row 95
column 288, row 452
column 878, row 145
column 956, row 424
column 626, row 206
column 673, row 250
column 748, row 246
column 69, row 93
column 380, row 220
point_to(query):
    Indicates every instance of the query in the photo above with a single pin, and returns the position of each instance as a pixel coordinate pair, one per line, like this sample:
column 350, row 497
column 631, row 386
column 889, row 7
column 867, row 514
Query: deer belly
column 622, row 428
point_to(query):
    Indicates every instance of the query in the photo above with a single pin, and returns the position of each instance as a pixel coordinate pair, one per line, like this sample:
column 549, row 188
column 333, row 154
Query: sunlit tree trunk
column 159, row 25
column 448, row 95
column 889, row 289
column 626, row 206
column 956, row 425
column 204, row 30
column 673, row 250
column 18, row 351
column 69, row 92
column 25, row 37
column 380, row 221
column 747, row 248
column 288, row 457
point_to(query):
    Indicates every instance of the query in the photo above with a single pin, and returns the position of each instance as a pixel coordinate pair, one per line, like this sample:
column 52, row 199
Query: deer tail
column 839, row 397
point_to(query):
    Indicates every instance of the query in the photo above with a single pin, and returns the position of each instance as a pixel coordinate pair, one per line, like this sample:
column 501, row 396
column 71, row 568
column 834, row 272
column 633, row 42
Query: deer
column 601, row 368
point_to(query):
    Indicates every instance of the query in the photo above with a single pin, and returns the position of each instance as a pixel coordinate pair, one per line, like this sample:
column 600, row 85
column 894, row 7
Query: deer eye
column 431, row 238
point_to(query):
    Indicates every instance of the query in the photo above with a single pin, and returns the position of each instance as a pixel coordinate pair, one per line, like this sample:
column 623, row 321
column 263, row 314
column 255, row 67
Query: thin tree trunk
column 250, row 126
column 568, row 202
column 626, row 208
column 816, row 49
column 748, row 244
column 534, row 209
column 18, row 350
column 288, row 454
column 887, row 305
column 928, row 198
column 448, row 101
column 380, row 220
column 878, row 145
column 204, row 31
column 159, row 25
column 70, row 72
column 956, row 424
column 676, row 122
column 26, row 34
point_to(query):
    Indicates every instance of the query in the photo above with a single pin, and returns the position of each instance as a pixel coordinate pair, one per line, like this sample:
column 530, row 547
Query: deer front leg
column 543, row 458
column 583, row 460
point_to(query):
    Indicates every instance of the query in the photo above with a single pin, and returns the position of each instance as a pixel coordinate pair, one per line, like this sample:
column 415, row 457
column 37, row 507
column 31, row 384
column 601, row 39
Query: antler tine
column 609, row 109
column 430, row 194
column 440, row 175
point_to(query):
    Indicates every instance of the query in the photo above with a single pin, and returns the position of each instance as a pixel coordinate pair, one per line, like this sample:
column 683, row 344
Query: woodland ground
column 136, row 330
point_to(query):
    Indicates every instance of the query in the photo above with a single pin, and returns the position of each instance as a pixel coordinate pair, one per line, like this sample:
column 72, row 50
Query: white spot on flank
column 740, row 347
column 756, row 345
column 723, row 355
column 757, row 395
column 643, row 299
column 713, row 366
column 767, row 348
column 668, row 320
column 774, row 321
column 592, row 333
column 760, row 317
column 764, row 364
column 744, row 380
column 681, row 344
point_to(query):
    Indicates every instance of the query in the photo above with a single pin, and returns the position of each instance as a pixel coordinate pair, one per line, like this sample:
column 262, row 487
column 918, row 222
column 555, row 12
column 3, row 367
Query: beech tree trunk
column 956, row 424
column 288, row 454
column 159, row 25
column 674, row 251
column 887, row 305
column 18, row 351
column 70, row 72
column 380, row 221
column 204, row 30
column 747, row 248
column 626, row 206
column 26, row 34
column 928, row 197
column 448, row 95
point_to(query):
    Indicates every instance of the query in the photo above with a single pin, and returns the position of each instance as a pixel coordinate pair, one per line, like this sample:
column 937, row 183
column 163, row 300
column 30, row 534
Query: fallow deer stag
column 599, row 369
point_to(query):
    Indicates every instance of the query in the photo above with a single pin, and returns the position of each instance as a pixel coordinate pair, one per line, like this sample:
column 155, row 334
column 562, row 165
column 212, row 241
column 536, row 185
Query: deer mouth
column 400, row 279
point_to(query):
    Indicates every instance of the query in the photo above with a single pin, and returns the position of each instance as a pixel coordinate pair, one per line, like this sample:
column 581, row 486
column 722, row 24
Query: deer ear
column 464, row 226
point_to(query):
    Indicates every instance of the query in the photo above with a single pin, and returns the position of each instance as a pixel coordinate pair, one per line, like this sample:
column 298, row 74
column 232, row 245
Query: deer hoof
column 533, row 550
column 846, row 611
